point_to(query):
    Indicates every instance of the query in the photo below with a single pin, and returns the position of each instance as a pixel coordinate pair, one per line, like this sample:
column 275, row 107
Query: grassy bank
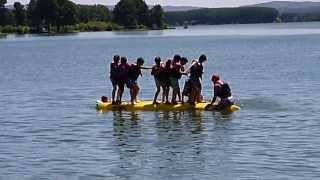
column 93, row 26
column 14, row 29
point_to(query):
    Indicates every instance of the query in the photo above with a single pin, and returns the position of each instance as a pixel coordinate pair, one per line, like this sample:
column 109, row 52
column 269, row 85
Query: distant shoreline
column 149, row 30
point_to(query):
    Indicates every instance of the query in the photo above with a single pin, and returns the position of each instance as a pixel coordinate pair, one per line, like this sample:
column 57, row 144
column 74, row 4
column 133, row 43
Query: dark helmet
column 202, row 58
column 157, row 59
column 124, row 59
column 116, row 58
column 140, row 61
column 176, row 58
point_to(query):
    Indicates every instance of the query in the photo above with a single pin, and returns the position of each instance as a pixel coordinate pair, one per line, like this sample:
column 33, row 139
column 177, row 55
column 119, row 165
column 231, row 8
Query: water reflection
column 170, row 144
column 180, row 143
column 128, row 142
column 3, row 35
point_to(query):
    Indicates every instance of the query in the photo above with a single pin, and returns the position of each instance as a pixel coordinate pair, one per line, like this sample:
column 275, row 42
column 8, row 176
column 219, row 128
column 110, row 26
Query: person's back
column 157, row 71
column 221, row 90
column 123, row 73
column 134, row 72
column 175, row 75
column 196, row 71
column 124, row 68
column 133, row 75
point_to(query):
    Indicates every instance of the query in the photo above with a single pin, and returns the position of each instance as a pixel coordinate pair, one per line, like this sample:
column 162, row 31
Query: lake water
column 51, row 130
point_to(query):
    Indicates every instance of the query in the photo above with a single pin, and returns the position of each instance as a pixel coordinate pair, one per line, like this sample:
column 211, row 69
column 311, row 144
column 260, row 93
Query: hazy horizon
column 198, row 3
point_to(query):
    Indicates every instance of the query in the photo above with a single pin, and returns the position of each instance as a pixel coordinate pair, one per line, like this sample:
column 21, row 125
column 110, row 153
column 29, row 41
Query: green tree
column 47, row 11
column 33, row 17
column 157, row 17
column 131, row 13
column 3, row 11
column 88, row 13
column 142, row 13
column 125, row 13
column 66, row 13
column 19, row 13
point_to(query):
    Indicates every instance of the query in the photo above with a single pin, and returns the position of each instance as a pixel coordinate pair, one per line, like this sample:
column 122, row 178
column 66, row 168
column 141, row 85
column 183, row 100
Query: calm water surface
column 51, row 130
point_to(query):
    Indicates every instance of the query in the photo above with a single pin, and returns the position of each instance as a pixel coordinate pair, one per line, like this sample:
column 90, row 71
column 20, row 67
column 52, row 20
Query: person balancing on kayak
column 177, row 70
column 122, row 78
column 193, row 86
column 133, row 75
column 221, row 90
column 114, row 71
column 158, row 72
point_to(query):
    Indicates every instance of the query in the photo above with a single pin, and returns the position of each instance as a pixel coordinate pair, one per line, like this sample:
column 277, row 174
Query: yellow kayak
column 149, row 106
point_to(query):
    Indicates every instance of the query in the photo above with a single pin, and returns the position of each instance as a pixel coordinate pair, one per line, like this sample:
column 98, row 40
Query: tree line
column 59, row 15
column 300, row 17
column 242, row 15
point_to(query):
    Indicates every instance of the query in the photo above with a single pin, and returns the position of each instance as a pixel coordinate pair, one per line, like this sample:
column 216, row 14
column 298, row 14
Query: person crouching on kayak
column 133, row 75
column 158, row 72
column 114, row 70
column 122, row 77
column 221, row 90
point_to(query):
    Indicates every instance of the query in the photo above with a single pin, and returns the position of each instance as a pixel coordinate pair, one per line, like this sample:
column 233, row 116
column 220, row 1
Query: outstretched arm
column 216, row 89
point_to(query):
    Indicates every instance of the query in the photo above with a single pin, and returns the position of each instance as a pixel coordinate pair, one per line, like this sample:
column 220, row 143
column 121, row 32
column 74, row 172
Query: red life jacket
column 123, row 72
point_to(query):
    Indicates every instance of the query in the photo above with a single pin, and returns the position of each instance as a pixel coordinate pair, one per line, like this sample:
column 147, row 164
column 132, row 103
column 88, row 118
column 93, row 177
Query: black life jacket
column 156, row 71
column 225, row 90
column 114, row 70
column 196, row 71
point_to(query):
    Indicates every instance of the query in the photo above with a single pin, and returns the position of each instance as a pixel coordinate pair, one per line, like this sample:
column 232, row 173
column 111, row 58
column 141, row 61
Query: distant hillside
column 241, row 15
column 292, row 7
column 171, row 8
column 165, row 8
column 179, row 8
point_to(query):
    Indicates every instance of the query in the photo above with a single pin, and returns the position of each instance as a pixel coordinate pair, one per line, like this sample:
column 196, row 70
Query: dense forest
column 242, row 15
column 300, row 17
column 55, row 16
column 59, row 16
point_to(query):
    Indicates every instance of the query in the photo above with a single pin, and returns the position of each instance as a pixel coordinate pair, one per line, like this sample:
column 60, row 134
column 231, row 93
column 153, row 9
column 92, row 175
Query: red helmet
column 215, row 78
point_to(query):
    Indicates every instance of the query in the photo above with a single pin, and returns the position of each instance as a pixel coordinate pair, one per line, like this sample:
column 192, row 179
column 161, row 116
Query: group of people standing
column 166, row 76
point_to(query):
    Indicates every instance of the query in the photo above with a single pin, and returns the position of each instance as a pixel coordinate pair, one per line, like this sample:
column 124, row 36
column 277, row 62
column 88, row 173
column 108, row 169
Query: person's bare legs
column 174, row 96
column 156, row 95
column 134, row 91
column 132, row 95
column 114, row 90
column 163, row 94
column 167, row 94
column 179, row 95
column 119, row 94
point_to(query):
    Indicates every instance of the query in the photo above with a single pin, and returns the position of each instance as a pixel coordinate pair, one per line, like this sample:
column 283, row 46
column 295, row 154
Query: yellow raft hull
column 149, row 106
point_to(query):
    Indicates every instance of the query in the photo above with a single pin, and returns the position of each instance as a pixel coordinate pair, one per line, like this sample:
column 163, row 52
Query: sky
column 198, row 3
